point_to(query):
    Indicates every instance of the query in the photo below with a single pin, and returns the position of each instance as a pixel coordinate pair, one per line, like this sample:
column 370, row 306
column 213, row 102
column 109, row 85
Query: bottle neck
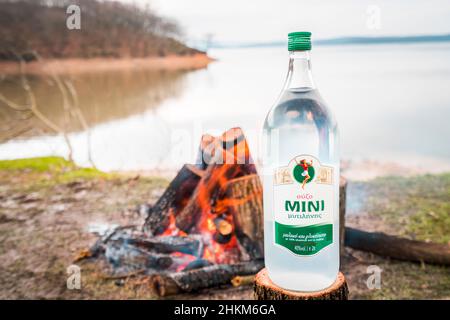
column 299, row 75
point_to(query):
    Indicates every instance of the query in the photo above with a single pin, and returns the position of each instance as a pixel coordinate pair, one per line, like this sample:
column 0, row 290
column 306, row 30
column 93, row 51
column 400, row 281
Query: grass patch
column 47, row 171
column 404, row 280
column 418, row 206
column 83, row 174
column 34, row 174
column 40, row 164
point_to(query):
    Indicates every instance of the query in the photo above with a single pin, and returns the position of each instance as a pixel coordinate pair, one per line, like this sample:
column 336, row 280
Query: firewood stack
column 220, row 197
column 206, row 228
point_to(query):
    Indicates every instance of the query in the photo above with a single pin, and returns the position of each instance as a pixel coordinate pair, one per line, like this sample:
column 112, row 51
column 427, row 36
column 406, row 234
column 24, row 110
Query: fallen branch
column 170, row 284
column 397, row 248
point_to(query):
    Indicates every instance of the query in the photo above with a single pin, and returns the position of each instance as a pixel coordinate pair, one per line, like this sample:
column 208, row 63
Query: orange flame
column 208, row 255
column 172, row 229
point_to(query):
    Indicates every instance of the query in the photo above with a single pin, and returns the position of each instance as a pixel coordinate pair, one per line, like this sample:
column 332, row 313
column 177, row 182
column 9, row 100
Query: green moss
column 82, row 173
column 37, row 174
column 47, row 171
column 418, row 207
column 40, row 164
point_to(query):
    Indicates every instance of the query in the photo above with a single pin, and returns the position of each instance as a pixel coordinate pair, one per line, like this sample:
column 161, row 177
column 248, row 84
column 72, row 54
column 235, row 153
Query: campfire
column 204, row 230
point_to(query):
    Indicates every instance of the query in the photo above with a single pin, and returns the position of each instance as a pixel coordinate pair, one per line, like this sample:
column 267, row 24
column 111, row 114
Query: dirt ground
column 45, row 222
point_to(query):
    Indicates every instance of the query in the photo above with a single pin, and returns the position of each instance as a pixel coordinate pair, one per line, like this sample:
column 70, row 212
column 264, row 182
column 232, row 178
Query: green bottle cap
column 299, row 41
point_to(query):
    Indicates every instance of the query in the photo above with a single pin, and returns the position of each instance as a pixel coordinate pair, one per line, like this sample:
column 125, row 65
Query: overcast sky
column 270, row 20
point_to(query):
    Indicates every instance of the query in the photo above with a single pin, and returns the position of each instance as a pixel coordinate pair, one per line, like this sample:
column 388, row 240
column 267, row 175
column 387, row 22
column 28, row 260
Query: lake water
column 392, row 104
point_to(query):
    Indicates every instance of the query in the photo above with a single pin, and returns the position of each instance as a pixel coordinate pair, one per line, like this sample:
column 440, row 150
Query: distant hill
column 382, row 40
column 346, row 41
column 108, row 29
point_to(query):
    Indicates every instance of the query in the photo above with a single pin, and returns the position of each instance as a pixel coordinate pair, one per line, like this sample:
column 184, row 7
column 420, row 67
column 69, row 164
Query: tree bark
column 265, row 289
column 244, row 200
column 397, row 248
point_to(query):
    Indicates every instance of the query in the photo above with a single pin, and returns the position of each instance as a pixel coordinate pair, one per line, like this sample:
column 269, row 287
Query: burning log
column 234, row 148
column 168, row 244
column 164, row 285
column 173, row 199
column 224, row 230
column 223, row 226
column 205, row 155
column 205, row 195
column 244, row 200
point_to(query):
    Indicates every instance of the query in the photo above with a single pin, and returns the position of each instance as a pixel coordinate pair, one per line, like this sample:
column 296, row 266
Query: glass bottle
column 300, row 168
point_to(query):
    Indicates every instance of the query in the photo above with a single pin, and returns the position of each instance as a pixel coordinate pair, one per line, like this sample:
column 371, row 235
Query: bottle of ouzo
column 300, row 168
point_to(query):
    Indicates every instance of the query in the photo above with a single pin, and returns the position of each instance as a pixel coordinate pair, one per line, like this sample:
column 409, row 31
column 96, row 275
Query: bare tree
column 32, row 107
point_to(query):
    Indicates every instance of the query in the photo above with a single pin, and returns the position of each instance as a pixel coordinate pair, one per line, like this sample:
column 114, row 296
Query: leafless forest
column 108, row 29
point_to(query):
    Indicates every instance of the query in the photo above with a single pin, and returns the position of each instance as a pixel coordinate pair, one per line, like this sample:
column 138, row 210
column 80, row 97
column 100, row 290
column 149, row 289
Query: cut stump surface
column 265, row 289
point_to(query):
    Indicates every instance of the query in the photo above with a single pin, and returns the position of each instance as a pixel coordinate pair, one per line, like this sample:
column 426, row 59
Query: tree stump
column 265, row 289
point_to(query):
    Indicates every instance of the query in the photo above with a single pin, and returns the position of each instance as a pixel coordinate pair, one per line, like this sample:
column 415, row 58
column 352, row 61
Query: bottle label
column 303, row 205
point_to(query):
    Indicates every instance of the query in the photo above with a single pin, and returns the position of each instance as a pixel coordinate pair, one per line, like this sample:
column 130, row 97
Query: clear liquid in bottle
column 301, row 183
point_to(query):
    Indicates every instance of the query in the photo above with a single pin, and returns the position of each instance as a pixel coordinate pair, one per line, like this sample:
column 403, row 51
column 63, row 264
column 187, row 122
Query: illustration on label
column 303, row 172
column 303, row 205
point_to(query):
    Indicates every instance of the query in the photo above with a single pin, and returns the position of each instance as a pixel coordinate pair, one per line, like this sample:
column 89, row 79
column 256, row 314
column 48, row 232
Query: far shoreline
column 84, row 65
